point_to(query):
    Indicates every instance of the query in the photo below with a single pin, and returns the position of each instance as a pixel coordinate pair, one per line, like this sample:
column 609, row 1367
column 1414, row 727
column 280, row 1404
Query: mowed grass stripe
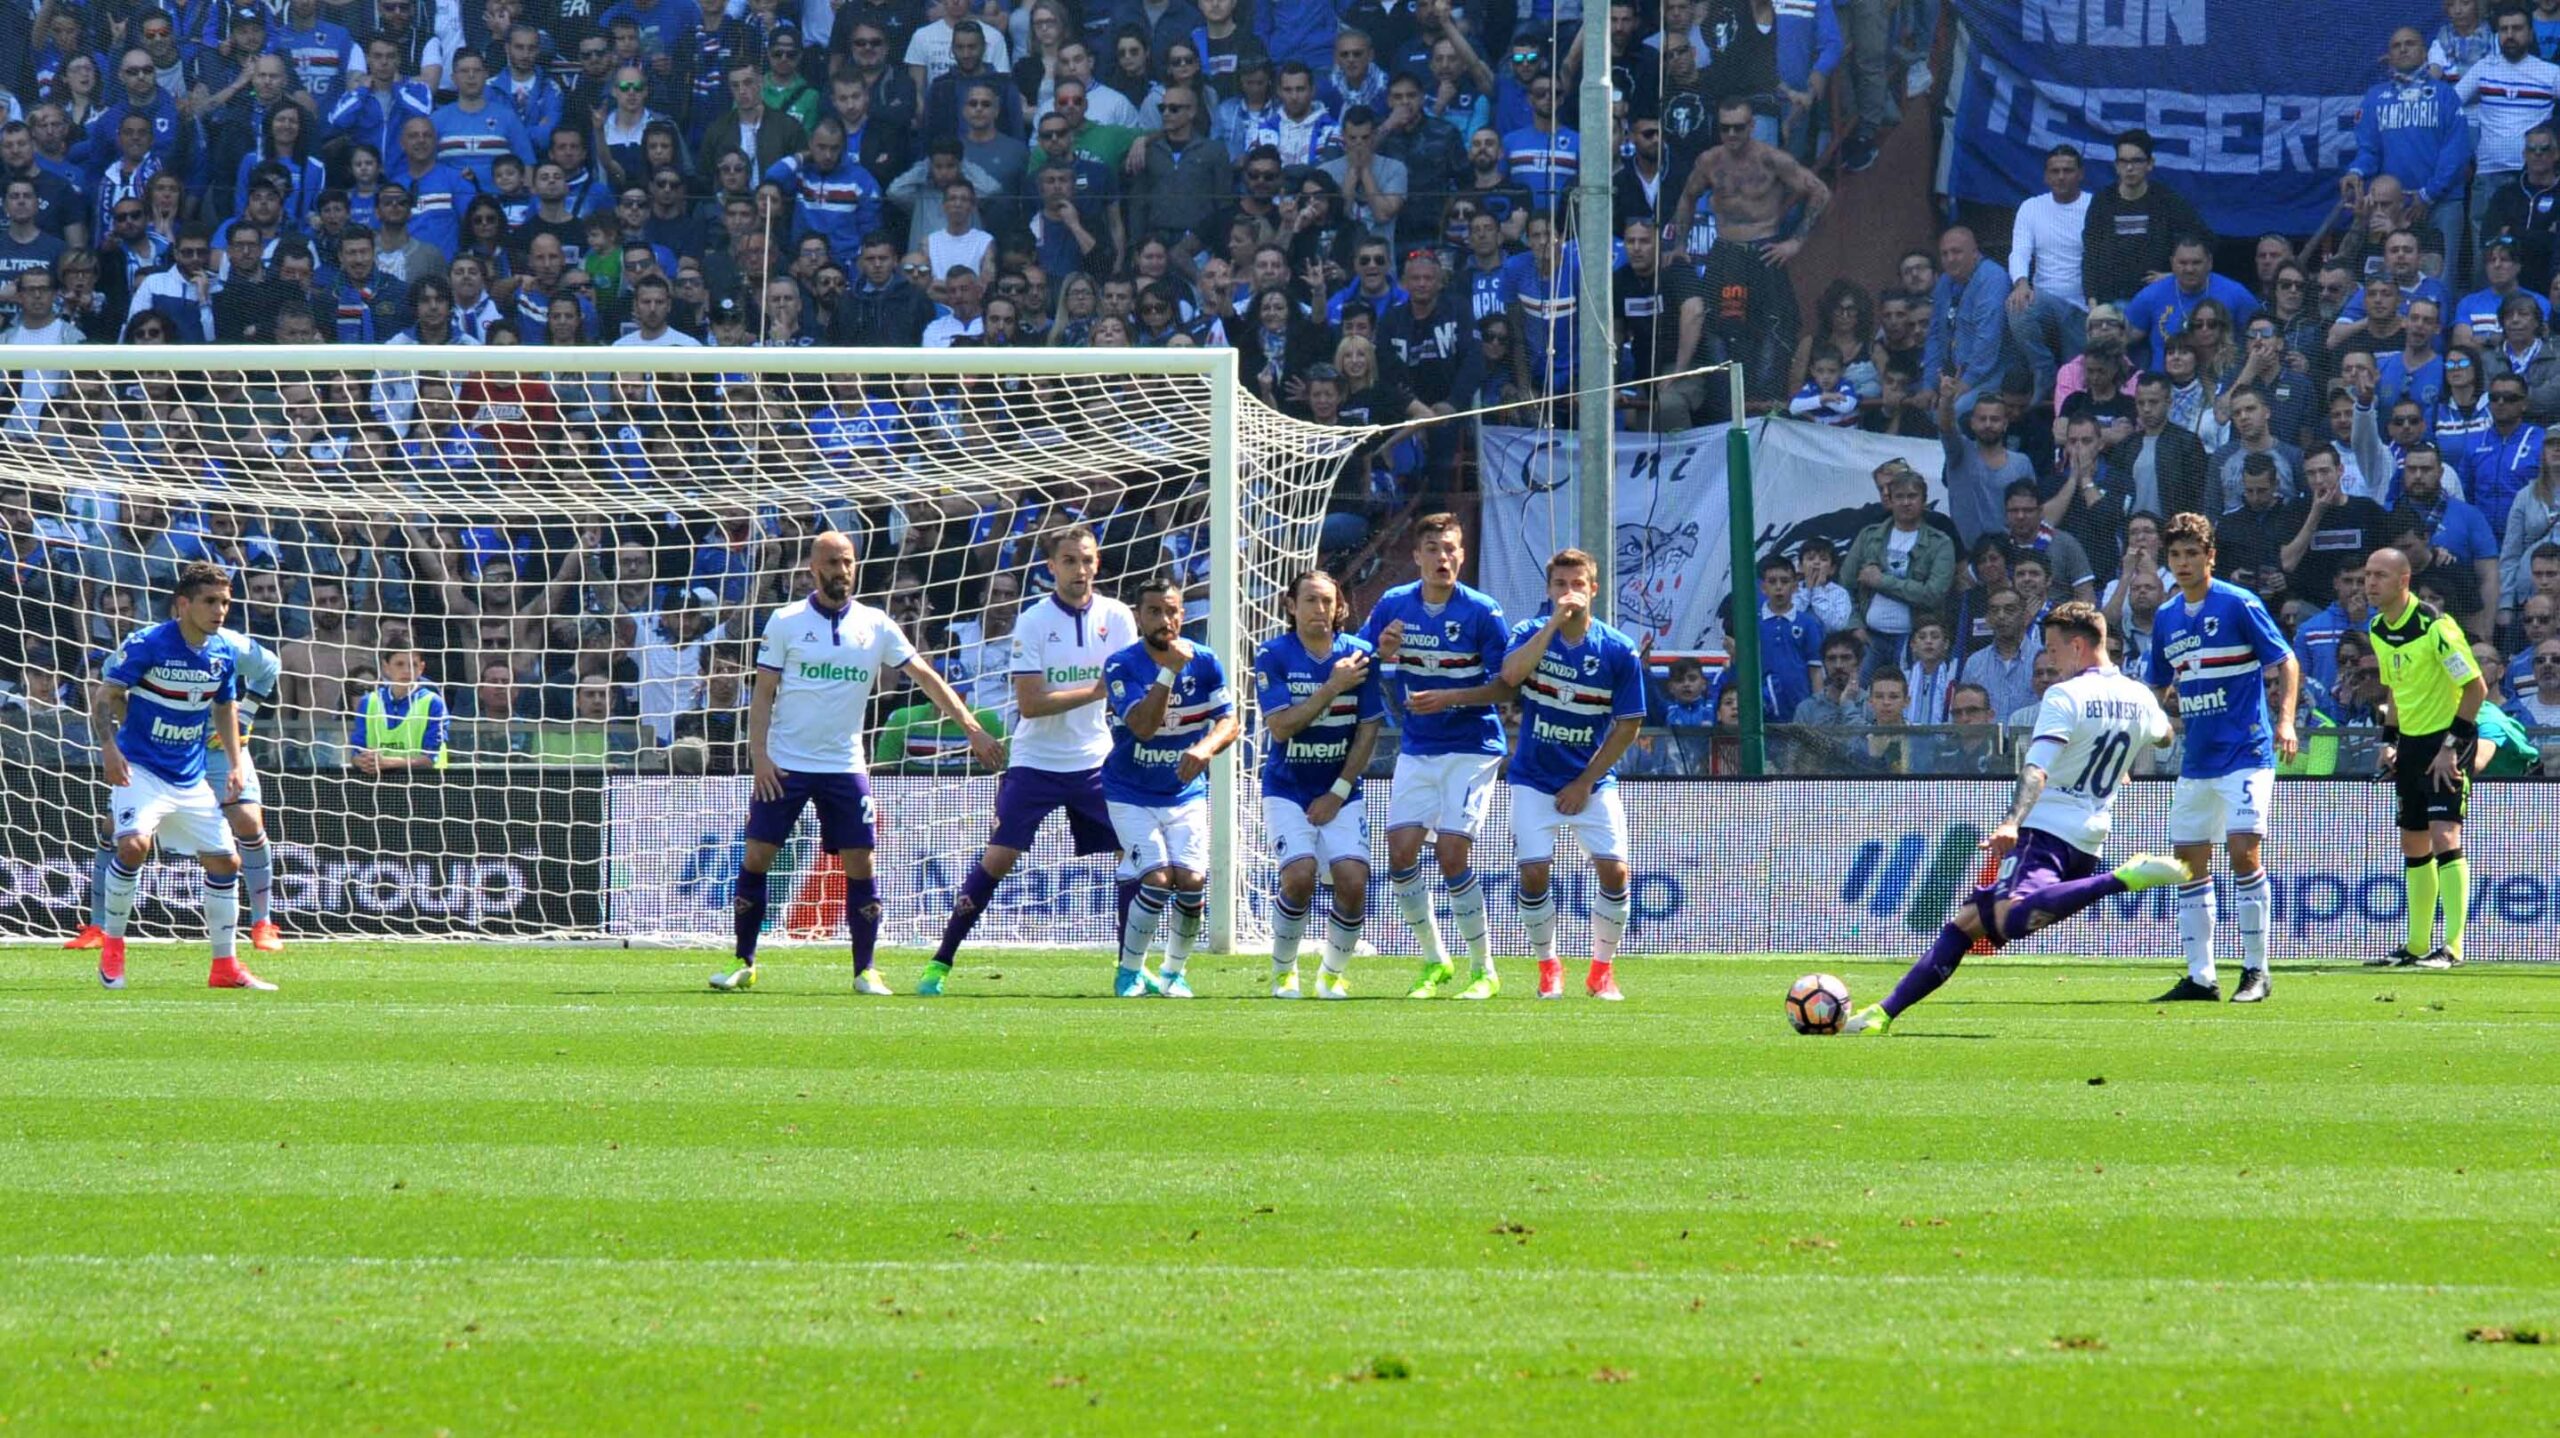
column 491, row 1188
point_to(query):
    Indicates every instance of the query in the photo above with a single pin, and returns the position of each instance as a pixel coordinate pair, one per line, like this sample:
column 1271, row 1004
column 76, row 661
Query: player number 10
column 2106, row 765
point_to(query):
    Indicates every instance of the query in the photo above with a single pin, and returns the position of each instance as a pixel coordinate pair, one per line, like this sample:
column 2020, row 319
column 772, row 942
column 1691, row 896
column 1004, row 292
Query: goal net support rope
column 582, row 547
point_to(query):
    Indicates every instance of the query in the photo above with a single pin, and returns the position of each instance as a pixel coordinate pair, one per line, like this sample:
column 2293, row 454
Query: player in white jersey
column 260, row 671
column 2087, row 729
column 814, row 671
column 1059, row 647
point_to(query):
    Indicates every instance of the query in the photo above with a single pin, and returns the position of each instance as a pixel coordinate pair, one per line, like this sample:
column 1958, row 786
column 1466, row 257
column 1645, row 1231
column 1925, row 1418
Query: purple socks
column 975, row 891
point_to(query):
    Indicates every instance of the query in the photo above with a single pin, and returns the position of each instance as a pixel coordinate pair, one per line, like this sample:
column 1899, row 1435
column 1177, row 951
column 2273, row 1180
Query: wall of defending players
column 1861, row 867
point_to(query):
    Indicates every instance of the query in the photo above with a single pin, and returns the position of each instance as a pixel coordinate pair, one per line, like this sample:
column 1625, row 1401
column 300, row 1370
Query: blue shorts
column 1025, row 798
column 844, row 811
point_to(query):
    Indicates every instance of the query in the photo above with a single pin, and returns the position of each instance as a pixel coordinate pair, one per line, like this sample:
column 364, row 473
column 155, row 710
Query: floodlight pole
column 1595, row 317
column 1745, row 675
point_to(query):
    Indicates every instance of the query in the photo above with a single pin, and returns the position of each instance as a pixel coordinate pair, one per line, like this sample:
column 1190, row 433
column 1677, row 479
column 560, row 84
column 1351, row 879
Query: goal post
column 597, row 534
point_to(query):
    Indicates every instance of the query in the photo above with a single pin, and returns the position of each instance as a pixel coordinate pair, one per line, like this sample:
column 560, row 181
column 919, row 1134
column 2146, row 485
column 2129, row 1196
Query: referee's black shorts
column 2423, row 801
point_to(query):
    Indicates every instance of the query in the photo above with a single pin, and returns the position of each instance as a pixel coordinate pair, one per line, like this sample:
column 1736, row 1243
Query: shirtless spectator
column 317, row 667
column 1752, row 187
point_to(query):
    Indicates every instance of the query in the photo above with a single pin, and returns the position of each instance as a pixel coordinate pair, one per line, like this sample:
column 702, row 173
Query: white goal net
column 582, row 546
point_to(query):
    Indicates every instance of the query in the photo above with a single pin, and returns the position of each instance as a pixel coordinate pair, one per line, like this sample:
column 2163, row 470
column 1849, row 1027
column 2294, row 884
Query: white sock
column 1288, row 927
column 222, row 914
column 1341, row 936
column 1608, row 925
column 1538, row 916
column 1139, row 935
column 1413, row 905
column 121, row 883
column 2195, row 928
column 258, row 875
column 1466, row 908
column 1190, row 909
column 2252, row 898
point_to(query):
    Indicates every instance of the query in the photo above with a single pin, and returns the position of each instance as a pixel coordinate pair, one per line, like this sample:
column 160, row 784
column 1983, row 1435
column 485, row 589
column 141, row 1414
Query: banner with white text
column 2252, row 102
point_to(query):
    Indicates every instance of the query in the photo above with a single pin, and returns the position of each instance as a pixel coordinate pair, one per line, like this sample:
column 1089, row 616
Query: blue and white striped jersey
column 172, row 687
column 1457, row 645
column 1148, row 771
column 2214, row 652
column 1569, row 703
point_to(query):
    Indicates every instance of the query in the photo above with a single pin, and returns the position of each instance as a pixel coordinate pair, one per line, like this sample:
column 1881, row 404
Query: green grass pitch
column 499, row 1189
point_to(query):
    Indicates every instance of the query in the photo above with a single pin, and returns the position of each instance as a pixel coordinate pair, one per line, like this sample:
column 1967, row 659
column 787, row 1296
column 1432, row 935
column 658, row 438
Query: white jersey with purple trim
column 1064, row 648
column 828, row 660
column 2087, row 731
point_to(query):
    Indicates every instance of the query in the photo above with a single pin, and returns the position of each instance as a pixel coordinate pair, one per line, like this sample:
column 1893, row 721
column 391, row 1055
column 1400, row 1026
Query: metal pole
column 1226, row 497
column 1745, row 675
column 1595, row 316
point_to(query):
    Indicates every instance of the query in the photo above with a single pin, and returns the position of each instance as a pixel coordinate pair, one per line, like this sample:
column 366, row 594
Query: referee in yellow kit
column 2430, row 725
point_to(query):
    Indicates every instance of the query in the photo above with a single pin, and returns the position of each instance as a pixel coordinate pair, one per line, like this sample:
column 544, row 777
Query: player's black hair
column 1341, row 603
column 2035, row 557
column 2138, row 139
column 1778, row 562
column 1160, row 582
column 200, row 575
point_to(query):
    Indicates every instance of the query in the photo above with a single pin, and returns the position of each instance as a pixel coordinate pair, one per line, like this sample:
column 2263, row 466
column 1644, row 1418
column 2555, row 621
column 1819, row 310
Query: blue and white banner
column 1673, row 555
column 1787, row 866
column 2252, row 102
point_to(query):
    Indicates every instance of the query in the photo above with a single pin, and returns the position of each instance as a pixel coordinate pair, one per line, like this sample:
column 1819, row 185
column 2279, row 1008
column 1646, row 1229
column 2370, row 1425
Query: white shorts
column 217, row 772
column 1601, row 827
column 186, row 819
column 1444, row 793
column 1293, row 837
column 1175, row 836
column 2202, row 811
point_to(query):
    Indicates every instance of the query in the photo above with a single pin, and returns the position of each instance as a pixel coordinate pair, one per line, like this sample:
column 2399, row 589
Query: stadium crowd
column 1365, row 198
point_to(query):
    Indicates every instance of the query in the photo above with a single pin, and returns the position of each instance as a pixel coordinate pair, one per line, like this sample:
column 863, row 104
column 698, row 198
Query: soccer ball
column 1818, row 1004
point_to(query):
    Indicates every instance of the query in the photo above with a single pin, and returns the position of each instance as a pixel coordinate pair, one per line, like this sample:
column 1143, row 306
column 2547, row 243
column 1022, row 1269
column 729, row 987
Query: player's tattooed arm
column 2004, row 838
column 106, row 718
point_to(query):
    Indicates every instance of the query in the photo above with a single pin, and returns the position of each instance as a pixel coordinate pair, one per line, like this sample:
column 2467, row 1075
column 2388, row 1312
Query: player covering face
column 1320, row 701
column 1439, row 644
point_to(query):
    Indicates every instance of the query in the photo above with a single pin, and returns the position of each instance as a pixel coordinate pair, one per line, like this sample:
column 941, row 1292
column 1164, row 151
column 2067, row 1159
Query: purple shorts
column 2039, row 862
column 844, row 811
column 1025, row 798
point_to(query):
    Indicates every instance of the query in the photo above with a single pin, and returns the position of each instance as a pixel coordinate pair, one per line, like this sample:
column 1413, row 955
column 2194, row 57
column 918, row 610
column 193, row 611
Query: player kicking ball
column 1059, row 646
column 1170, row 715
column 260, row 671
column 1439, row 643
column 1581, row 686
column 2048, row 843
column 815, row 667
column 2212, row 648
column 168, row 689
column 1321, row 704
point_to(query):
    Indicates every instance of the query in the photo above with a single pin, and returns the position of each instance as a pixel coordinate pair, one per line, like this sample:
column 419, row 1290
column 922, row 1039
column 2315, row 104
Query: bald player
column 815, row 668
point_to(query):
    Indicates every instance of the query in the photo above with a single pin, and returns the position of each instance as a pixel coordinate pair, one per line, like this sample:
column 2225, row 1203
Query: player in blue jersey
column 167, row 690
column 1581, row 686
column 2210, row 646
column 260, row 672
column 1320, row 700
column 1439, row 644
column 1170, row 715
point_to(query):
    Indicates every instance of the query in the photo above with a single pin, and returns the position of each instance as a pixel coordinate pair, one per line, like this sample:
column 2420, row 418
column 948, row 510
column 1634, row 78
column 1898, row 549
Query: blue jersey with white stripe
column 1457, row 645
column 1308, row 762
column 2214, row 652
column 1148, row 771
column 172, row 687
column 1570, row 702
